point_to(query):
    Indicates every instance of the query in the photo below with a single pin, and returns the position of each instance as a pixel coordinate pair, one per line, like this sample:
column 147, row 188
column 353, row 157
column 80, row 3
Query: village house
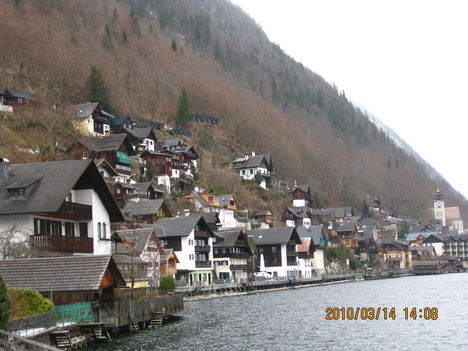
column 416, row 239
column 264, row 217
column 145, row 211
column 115, row 149
column 305, row 257
column 168, row 261
column 164, row 163
column 138, row 256
column 118, row 123
column 60, row 208
column 211, row 219
column 14, row 98
column 146, row 190
column 297, row 216
column 396, row 254
column 319, row 241
column 302, row 196
column 225, row 205
column 251, row 165
column 367, row 239
column 387, row 234
column 90, row 280
column 333, row 214
column 142, row 139
column 192, row 241
column 437, row 242
column 277, row 250
column 232, row 256
column 456, row 246
column 186, row 153
column 106, row 170
column 345, row 234
column 121, row 192
column 88, row 119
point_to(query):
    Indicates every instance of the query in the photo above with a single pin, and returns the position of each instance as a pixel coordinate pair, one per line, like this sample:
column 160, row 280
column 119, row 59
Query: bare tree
column 14, row 243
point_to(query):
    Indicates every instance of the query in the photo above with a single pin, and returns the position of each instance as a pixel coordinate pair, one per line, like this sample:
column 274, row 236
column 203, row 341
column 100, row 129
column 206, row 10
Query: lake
column 294, row 319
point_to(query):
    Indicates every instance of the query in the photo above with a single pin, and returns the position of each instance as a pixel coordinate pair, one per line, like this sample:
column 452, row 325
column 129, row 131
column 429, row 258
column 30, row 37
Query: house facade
column 317, row 234
column 60, row 208
column 88, row 119
column 252, row 165
column 302, row 196
column 232, row 256
column 224, row 205
column 192, row 242
column 277, row 250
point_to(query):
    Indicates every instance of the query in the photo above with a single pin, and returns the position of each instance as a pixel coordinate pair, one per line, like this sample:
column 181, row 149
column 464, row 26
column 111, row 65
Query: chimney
column 4, row 167
column 246, row 157
column 186, row 212
column 253, row 153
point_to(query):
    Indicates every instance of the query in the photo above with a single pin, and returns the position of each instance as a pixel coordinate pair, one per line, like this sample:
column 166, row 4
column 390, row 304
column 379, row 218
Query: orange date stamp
column 376, row 313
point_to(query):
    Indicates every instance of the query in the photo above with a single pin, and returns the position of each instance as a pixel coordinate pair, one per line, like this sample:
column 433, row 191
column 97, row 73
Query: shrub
column 26, row 302
column 167, row 284
column 5, row 305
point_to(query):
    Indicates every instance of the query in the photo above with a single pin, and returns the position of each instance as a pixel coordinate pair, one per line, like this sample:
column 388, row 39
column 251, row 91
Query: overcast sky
column 406, row 62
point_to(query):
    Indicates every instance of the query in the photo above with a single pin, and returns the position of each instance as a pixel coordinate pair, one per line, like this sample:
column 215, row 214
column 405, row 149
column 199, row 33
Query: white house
column 316, row 234
column 278, row 247
column 224, row 205
column 251, row 165
column 60, row 208
column 192, row 241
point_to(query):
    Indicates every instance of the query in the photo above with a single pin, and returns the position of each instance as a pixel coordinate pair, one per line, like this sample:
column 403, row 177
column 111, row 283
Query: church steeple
column 439, row 207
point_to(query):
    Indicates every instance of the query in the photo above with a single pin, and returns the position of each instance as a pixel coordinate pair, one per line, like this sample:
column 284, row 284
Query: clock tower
column 439, row 209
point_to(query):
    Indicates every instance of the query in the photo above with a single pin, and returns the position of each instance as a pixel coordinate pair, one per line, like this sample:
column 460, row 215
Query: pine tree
column 174, row 45
column 5, row 305
column 97, row 90
column 183, row 113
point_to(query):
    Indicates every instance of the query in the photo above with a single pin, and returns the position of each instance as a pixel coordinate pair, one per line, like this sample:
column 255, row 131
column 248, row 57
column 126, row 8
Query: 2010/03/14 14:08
column 375, row 313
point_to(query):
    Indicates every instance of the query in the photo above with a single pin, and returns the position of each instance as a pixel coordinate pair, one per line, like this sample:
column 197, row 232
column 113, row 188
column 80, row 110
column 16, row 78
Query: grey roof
column 272, row 236
column 224, row 200
column 228, row 238
column 313, row 231
column 386, row 234
column 142, row 207
column 48, row 184
column 251, row 162
column 304, row 187
column 179, row 226
column 104, row 143
column 333, row 212
column 261, row 213
column 413, row 236
column 368, row 222
column 83, row 110
column 68, row 273
column 117, row 121
column 137, row 236
column 210, row 217
column 142, row 188
column 21, row 94
column 171, row 142
column 301, row 212
column 139, row 133
column 344, row 226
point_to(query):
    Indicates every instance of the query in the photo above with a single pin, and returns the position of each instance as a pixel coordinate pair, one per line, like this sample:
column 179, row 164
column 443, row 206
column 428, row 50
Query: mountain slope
column 148, row 50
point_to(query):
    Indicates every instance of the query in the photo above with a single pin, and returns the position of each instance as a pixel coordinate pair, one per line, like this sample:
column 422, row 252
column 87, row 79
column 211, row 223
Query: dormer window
column 17, row 193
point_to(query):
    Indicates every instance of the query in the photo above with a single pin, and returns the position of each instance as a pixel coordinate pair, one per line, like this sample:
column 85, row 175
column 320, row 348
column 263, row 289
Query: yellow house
column 88, row 119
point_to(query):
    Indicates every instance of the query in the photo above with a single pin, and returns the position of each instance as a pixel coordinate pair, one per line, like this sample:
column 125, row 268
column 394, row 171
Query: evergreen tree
column 174, row 45
column 183, row 113
column 97, row 90
column 5, row 305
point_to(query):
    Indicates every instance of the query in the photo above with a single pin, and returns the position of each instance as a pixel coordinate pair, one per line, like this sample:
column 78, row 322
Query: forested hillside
column 149, row 50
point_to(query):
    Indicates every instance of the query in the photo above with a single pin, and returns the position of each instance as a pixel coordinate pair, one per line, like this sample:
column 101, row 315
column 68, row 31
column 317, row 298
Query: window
column 99, row 230
column 260, row 250
column 251, row 171
column 273, row 249
column 85, row 155
column 69, row 229
column 104, row 230
column 83, row 230
column 243, row 172
column 16, row 193
column 70, row 197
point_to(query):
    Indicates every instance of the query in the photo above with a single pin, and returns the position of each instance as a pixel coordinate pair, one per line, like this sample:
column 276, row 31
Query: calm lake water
column 295, row 319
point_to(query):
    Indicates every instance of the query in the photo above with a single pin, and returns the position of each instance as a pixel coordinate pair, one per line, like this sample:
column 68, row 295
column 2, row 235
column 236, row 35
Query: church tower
column 439, row 207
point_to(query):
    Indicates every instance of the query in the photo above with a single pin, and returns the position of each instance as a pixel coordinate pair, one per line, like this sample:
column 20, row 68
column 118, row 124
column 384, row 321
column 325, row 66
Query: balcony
column 73, row 211
column 232, row 255
column 203, row 248
column 292, row 253
column 62, row 243
column 202, row 264
column 238, row 267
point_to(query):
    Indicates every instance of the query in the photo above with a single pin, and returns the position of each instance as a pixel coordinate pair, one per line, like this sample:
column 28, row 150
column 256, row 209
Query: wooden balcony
column 62, row 243
column 74, row 211
column 232, row 255
column 202, row 264
column 202, row 248
column 238, row 267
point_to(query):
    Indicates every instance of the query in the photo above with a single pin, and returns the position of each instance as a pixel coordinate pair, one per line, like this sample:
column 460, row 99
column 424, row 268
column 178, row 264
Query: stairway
column 100, row 333
column 156, row 319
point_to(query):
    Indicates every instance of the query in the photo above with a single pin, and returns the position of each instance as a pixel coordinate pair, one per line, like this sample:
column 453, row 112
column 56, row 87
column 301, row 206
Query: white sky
column 406, row 62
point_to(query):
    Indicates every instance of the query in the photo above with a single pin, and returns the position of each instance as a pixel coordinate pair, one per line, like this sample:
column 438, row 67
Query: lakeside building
column 317, row 234
column 57, row 208
column 277, row 250
column 232, row 256
column 224, row 205
column 192, row 241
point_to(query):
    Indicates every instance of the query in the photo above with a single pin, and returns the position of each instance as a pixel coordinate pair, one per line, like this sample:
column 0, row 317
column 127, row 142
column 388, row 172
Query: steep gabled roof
column 315, row 232
column 105, row 143
column 139, row 237
column 69, row 273
column 141, row 133
column 179, row 226
column 251, row 162
column 83, row 110
column 303, row 187
column 53, row 182
column 272, row 236
column 230, row 238
column 142, row 207
column 20, row 94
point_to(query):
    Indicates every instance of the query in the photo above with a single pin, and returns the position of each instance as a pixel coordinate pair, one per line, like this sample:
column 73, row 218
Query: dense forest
column 148, row 51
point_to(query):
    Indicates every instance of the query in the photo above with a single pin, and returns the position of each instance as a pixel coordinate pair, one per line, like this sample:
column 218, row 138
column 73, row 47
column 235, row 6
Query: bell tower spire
column 439, row 207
